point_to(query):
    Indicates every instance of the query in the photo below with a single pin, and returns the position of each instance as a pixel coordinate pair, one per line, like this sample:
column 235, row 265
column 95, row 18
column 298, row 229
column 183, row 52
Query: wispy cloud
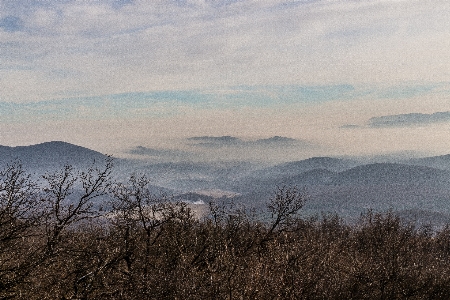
column 136, row 72
column 57, row 49
column 170, row 103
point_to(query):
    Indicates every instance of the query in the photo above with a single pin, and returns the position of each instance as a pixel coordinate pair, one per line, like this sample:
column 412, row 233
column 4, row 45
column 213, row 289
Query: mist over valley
column 416, row 188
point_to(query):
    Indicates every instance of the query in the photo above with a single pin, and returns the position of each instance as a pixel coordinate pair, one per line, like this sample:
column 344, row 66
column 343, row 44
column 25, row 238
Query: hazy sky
column 112, row 75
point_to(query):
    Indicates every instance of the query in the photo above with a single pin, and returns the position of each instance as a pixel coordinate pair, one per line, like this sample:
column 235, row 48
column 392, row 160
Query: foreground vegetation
column 57, row 242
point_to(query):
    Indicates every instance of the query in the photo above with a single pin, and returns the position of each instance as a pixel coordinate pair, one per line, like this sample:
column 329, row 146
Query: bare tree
column 70, row 196
column 135, row 204
column 20, row 214
column 284, row 206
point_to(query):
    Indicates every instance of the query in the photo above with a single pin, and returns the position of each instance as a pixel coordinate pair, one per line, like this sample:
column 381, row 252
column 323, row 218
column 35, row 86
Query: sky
column 142, row 78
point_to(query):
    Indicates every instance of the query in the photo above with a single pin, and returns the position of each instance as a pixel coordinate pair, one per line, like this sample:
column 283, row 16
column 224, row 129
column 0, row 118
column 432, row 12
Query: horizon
column 162, row 156
column 335, row 78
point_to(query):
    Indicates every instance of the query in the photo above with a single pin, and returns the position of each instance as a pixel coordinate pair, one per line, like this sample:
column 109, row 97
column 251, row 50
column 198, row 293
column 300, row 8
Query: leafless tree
column 20, row 214
column 70, row 195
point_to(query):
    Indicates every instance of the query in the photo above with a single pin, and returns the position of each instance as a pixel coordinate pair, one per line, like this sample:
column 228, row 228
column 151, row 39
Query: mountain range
column 418, row 188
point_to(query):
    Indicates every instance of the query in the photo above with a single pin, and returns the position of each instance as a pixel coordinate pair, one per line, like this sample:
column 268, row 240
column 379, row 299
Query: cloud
column 126, row 46
column 169, row 103
column 403, row 120
column 245, row 68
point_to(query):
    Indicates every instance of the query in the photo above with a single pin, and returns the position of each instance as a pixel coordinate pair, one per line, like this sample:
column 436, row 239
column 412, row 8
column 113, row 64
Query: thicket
column 56, row 242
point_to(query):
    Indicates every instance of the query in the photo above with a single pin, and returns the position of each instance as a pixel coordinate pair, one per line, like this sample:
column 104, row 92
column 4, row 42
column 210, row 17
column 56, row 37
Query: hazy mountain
column 311, row 177
column 276, row 140
column 160, row 153
column 298, row 167
column 230, row 141
column 380, row 186
column 438, row 162
column 216, row 141
column 389, row 173
column 417, row 187
column 189, row 176
column 223, row 139
column 50, row 155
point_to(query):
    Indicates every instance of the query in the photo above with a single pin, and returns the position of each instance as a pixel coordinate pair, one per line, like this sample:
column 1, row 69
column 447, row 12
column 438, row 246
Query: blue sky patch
column 172, row 103
column 11, row 23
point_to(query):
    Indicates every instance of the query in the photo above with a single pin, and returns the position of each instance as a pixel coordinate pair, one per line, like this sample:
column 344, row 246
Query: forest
column 79, row 234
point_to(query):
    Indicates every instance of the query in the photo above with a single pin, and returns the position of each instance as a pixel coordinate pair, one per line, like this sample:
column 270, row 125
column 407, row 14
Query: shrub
column 55, row 244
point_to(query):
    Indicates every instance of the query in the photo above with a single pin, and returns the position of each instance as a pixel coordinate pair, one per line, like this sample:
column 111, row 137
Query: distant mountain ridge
column 51, row 154
column 409, row 119
column 403, row 188
column 297, row 167
column 345, row 186
column 315, row 172
column 392, row 173
column 230, row 141
column 438, row 162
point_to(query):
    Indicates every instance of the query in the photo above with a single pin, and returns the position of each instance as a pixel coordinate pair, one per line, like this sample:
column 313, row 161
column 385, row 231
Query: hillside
column 50, row 154
column 380, row 186
column 333, row 185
